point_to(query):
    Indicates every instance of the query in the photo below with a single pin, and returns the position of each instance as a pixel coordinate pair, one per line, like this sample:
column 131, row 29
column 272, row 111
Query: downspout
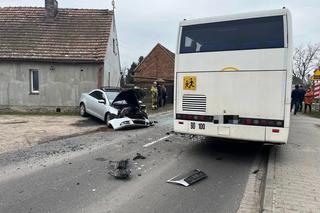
column 100, row 76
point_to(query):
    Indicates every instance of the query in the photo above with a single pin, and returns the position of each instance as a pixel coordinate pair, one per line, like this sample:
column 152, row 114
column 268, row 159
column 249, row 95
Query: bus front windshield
column 254, row 33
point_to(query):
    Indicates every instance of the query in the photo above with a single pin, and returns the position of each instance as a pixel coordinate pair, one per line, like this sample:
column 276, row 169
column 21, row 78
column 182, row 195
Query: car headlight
column 124, row 123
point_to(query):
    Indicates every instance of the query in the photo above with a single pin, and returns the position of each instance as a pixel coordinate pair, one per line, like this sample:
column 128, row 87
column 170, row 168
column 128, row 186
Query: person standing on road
column 154, row 96
column 308, row 99
column 159, row 95
column 164, row 95
column 302, row 92
column 295, row 99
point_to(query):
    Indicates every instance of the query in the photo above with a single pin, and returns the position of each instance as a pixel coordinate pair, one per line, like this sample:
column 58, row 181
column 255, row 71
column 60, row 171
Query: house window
column 34, row 81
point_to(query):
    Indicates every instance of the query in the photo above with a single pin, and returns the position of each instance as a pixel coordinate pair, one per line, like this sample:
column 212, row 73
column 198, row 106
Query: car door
column 100, row 108
column 91, row 102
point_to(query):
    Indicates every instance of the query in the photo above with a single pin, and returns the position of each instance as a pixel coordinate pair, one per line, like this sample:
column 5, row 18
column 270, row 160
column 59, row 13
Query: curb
column 267, row 202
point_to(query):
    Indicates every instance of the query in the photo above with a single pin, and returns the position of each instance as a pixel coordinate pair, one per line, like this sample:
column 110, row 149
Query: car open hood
column 131, row 96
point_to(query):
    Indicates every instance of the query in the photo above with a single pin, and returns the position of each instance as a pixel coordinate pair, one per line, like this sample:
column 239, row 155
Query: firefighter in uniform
column 154, row 95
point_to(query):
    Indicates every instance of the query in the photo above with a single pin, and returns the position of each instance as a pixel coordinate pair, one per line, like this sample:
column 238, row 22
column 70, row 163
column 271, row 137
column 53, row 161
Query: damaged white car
column 118, row 108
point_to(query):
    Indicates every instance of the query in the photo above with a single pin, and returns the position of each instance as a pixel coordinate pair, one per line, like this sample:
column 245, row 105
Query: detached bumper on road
column 126, row 123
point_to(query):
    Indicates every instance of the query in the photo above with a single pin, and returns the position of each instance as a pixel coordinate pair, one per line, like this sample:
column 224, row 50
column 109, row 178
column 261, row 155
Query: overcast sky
column 143, row 23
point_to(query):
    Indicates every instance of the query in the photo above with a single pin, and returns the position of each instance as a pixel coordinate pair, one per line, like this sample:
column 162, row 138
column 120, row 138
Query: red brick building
column 159, row 63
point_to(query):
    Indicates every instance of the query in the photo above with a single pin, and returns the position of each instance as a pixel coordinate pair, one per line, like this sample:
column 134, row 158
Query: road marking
column 153, row 142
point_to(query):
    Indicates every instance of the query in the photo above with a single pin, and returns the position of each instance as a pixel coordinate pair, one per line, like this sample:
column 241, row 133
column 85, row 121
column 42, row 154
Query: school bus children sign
column 189, row 83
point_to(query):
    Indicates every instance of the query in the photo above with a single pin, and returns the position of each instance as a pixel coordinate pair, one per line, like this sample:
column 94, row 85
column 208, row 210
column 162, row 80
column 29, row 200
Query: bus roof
column 232, row 17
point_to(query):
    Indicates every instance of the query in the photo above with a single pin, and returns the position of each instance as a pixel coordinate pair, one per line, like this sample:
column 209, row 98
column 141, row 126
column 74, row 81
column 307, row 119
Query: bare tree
column 305, row 60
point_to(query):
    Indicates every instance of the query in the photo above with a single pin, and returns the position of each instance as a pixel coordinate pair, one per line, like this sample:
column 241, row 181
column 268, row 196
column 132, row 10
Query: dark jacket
column 159, row 91
column 295, row 95
column 302, row 93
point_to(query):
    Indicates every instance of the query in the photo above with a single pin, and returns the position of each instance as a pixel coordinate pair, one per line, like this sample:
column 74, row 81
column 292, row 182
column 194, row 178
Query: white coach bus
column 233, row 76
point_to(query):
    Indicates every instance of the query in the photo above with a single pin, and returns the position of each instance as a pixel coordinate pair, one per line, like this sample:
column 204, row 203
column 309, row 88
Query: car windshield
column 111, row 95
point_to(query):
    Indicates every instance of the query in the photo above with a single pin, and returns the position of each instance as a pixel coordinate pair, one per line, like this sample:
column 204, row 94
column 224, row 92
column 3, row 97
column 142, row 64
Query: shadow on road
column 219, row 148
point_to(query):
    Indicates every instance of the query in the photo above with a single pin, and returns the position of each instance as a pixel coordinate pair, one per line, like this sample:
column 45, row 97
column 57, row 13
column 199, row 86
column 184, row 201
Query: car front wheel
column 83, row 112
column 107, row 119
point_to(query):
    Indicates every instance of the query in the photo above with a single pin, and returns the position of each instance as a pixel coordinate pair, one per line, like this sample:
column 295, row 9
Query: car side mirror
column 102, row 101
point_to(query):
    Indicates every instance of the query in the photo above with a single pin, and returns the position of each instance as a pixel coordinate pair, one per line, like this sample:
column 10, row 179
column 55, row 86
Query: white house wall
column 112, row 60
column 60, row 85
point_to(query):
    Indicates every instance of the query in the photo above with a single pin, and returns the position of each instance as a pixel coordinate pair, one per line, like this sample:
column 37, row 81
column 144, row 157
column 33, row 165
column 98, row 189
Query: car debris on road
column 120, row 169
column 139, row 156
column 188, row 178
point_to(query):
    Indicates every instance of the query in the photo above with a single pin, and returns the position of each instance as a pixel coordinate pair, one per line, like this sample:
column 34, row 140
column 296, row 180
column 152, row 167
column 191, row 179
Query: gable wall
column 156, row 65
column 112, row 60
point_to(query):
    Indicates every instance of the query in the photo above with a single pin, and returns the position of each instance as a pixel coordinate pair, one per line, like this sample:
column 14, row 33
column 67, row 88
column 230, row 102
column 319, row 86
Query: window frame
column 32, row 90
column 95, row 97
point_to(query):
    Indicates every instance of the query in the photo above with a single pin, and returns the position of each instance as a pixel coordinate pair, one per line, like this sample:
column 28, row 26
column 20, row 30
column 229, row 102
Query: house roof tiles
column 73, row 35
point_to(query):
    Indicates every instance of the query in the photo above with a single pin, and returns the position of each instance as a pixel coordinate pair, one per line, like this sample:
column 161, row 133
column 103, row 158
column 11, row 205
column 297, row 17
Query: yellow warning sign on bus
column 189, row 83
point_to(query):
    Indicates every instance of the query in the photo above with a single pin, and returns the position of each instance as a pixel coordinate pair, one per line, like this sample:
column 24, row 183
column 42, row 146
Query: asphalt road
column 70, row 175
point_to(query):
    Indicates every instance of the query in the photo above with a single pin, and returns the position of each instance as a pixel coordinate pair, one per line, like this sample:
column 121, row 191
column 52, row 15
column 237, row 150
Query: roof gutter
column 48, row 60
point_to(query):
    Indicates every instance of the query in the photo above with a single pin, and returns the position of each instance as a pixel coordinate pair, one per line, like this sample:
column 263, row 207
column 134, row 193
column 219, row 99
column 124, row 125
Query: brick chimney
column 51, row 8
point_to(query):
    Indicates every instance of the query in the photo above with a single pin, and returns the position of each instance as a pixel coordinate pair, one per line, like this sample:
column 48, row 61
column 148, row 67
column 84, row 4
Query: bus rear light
column 271, row 123
column 232, row 119
column 202, row 118
column 263, row 122
column 248, row 121
column 256, row 122
column 189, row 117
column 275, row 130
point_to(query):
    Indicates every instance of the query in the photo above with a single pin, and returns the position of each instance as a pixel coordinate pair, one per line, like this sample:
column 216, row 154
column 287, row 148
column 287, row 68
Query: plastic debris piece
column 120, row 169
column 169, row 133
column 139, row 156
column 189, row 178
column 256, row 171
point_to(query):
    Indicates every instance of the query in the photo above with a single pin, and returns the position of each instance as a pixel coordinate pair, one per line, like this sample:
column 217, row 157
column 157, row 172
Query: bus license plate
column 194, row 125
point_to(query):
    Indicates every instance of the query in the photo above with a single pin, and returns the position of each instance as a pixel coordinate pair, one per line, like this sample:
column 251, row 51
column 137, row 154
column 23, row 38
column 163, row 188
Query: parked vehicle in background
column 233, row 76
column 117, row 108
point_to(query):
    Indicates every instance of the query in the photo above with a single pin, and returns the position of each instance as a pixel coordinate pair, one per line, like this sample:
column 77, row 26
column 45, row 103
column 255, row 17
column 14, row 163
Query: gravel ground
column 20, row 132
